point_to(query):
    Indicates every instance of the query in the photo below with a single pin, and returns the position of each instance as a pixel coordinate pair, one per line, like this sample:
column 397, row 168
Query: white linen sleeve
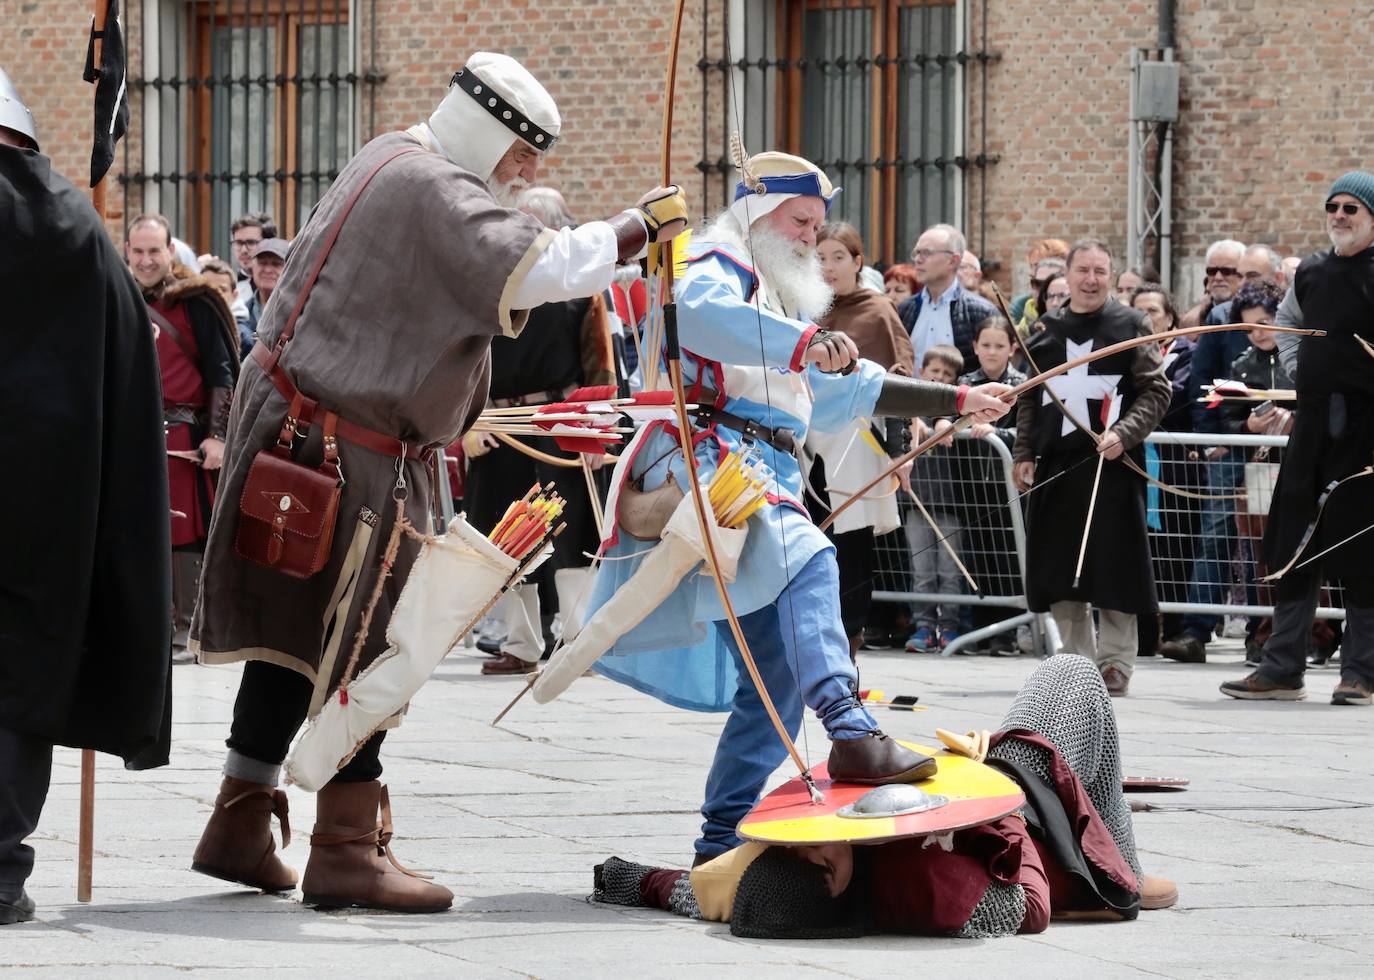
column 579, row 262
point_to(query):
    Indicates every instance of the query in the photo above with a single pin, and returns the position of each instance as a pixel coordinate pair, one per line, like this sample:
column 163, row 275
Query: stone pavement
column 1275, row 881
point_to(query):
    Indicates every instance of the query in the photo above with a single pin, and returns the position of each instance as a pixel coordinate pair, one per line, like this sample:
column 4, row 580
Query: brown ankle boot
column 351, row 863
column 875, row 759
column 237, row 844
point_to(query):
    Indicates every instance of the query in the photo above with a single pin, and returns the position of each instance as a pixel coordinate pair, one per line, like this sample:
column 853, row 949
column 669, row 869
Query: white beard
column 509, row 191
column 791, row 272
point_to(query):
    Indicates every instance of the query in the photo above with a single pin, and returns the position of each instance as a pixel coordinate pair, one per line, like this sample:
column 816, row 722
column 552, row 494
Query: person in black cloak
column 85, row 597
column 1121, row 398
column 1320, row 512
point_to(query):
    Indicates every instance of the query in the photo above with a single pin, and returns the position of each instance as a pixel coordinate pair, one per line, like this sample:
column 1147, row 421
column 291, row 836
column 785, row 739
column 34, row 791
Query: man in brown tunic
column 409, row 266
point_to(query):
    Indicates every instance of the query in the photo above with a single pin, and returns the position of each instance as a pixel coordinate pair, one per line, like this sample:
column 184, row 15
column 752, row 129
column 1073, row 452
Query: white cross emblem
column 1076, row 386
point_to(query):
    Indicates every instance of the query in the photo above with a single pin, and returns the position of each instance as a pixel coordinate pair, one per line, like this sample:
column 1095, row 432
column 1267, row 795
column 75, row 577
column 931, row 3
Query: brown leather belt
column 534, row 398
column 706, row 413
column 345, row 430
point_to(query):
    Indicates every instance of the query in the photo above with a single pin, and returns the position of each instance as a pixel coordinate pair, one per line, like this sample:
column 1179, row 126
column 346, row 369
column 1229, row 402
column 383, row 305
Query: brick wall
column 603, row 61
column 1056, row 119
column 1274, row 97
column 43, row 45
column 1274, row 105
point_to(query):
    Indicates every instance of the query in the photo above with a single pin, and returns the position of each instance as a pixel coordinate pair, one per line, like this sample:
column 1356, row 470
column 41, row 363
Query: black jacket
column 1257, row 369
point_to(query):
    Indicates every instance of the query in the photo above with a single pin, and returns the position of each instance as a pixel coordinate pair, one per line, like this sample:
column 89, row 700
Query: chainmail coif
column 1065, row 701
column 617, row 882
column 782, row 896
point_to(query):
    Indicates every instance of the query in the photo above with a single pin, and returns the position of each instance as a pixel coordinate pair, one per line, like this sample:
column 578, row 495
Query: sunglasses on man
column 1345, row 207
column 1229, row 271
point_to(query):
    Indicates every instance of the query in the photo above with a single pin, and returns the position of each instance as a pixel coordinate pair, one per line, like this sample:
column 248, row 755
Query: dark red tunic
column 191, row 488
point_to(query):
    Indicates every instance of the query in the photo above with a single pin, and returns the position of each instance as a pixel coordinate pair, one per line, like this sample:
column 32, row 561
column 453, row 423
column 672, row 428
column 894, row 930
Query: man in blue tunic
column 762, row 374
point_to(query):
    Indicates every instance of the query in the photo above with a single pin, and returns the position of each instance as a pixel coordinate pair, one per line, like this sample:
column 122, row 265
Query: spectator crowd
column 951, row 539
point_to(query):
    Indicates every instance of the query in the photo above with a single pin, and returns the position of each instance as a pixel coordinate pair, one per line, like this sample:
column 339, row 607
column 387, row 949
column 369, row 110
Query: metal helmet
column 13, row 113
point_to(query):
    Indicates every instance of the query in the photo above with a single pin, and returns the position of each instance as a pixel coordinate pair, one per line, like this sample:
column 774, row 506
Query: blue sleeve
column 717, row 322
column 840, row 398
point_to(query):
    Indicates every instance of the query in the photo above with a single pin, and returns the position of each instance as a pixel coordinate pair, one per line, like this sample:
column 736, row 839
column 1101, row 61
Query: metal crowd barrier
column 1182, row 528
column 980, row 509
column 967, row 488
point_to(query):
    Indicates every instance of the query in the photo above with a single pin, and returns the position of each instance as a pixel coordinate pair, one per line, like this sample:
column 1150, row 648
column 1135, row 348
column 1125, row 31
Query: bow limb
column 673, row 357
column 1300, row 558
column 1029, row 384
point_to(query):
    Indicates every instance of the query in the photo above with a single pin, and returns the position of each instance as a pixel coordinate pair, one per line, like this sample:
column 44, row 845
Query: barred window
column 242, row 105
column 872, row 91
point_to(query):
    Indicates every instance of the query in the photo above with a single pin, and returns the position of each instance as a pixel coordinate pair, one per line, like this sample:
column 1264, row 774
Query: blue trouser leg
column 807, row 655
column 816, row 649
column 1216, row 537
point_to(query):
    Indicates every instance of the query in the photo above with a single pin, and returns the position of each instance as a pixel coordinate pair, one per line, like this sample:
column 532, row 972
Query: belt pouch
column 288, row 510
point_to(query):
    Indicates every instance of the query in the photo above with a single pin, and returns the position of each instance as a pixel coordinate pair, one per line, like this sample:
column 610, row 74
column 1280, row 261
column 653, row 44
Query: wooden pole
column 85, row 840
column 1088, row 524
column 943, row 539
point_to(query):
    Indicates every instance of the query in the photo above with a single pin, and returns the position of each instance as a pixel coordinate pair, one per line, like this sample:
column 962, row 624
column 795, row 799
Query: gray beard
column 1343, row 241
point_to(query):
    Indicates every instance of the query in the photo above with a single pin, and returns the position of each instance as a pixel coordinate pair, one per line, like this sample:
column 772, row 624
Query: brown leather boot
column 351, row 863
column 875, row 759
column 237, row 844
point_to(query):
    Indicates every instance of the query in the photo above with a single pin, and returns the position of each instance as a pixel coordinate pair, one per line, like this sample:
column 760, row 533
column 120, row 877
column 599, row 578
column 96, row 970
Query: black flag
column 111, row 97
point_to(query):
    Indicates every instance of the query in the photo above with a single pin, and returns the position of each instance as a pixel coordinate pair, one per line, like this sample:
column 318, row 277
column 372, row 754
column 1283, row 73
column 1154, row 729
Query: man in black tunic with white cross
column 1120, row 399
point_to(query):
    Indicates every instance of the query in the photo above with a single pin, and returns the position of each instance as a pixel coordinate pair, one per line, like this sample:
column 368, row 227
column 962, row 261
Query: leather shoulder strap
column 285, row 336
column 176, row 336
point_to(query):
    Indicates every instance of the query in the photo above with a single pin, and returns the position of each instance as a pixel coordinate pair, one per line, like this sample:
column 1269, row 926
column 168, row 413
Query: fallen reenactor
column 1069, row 852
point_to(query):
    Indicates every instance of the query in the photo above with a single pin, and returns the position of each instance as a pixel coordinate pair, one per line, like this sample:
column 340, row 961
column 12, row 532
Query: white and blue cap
column 492, row 101
column 772, row 178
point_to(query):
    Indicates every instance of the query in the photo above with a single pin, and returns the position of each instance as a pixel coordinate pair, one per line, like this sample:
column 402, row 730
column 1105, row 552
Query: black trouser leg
column 1357, row 643
column 1285, row 653
column 854, row 555
column 271, row 707
column 25, row 770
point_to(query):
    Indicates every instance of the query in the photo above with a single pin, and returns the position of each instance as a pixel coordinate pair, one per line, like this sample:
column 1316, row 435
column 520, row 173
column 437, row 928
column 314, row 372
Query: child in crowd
column 994, row 344
column 989, row 549
column 932, row 482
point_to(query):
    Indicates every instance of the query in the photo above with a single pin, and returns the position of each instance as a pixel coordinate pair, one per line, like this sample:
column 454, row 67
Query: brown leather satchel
column 288, row 511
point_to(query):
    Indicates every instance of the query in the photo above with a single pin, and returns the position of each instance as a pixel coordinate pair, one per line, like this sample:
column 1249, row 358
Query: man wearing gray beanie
column 1320, row 510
